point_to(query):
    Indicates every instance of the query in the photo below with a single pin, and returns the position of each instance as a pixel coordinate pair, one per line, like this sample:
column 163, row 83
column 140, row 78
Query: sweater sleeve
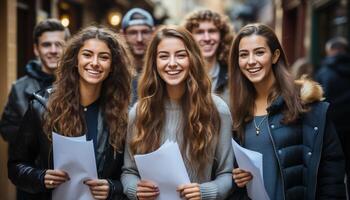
column 220, row 186
column 130, row 175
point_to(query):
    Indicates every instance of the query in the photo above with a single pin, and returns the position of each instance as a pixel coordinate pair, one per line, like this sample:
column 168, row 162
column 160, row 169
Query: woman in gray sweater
column 175, row 103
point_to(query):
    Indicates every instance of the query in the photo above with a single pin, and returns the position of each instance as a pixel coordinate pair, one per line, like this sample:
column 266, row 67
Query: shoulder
column 220, row 105
column 24, row 82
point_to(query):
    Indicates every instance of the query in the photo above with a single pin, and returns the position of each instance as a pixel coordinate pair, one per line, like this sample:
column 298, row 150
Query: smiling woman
column 90, row 96
column 175, row 103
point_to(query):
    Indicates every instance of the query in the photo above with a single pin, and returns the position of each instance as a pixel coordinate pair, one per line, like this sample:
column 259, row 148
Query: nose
column 251, row 60
column 94, row 61
column 53, row 48
column 139, row 36
column 172, row 62
column 206, row 35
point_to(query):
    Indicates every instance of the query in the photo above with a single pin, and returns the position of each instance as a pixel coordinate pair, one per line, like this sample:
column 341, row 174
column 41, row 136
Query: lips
column 93, row 72
column 173, row 72
column 254, row 70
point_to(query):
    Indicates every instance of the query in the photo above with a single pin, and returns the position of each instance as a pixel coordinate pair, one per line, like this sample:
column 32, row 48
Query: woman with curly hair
column 282, row 119
column 214, row 34
column 175, row 103
column 91, row 97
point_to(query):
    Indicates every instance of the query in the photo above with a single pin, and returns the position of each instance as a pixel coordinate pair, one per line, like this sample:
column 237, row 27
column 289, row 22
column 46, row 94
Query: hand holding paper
column 76, row 157
column 165, row 168
column 251, row 161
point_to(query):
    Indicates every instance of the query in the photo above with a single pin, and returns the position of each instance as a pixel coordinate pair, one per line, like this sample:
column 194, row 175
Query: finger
column 100, row 197
column 147, row 194
column 144, row 183
column 241, row 175
column 146, row 189
column 57, row 172
column 55, row 178
column 245, row 179
column 100, row 188
column 191, row 195
column 98, row 192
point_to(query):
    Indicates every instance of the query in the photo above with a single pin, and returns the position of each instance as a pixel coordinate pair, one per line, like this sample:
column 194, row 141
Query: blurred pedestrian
column 283, row 120
column 176, row 89
column 91, row 97
column 49, row 39
column 334, row 76
column 302, row 68
column 214, row 35
column 137, row 27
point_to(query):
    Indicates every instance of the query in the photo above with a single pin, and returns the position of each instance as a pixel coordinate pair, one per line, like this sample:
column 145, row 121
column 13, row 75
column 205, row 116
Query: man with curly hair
column 214, row 35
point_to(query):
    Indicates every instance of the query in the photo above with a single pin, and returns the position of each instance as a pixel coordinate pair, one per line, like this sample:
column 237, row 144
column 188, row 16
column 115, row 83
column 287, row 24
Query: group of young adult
column 183, row 71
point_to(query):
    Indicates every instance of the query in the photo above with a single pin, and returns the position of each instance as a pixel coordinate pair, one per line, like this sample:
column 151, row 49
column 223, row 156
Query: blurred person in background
column 302, row 68
column 214, row 35
column 334, row 76
column 137, row 27
column 49, row 39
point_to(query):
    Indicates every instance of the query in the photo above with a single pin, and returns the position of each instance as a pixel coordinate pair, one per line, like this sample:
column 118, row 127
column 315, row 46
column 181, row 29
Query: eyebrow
column 104, row 52
column 179, row 51
column 258, row 48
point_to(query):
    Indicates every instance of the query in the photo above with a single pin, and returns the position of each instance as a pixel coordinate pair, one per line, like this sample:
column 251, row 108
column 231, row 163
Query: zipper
column 274, row 147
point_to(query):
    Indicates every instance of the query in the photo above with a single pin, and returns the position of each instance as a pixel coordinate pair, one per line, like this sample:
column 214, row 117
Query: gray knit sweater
column 217, row 180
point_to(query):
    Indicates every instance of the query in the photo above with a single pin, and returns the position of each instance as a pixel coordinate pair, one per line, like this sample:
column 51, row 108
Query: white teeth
column 253, row 70
column 173, row 72
column 93, row 71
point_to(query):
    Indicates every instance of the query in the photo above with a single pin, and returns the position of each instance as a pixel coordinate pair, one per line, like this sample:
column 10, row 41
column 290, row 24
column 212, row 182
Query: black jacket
column 309, row 154
column 32, row 155
column 18, row 99
column 334, row 76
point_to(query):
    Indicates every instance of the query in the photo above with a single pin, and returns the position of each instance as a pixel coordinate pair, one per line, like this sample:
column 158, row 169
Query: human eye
column 243, row 55
column 104, row 57
column 198, row 31
column 182, row 55
column 86, row 54
column 260, row 53
column 163, row 56
column 46, row 44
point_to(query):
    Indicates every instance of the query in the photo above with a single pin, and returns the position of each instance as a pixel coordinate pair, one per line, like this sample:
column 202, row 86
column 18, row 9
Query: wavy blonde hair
column 200, row 115
column 64, row 113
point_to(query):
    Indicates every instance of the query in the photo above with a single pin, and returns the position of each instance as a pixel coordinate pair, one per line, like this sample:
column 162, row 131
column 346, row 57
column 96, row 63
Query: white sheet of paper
column 166, row 168
column 251, row 161
column 75, row 156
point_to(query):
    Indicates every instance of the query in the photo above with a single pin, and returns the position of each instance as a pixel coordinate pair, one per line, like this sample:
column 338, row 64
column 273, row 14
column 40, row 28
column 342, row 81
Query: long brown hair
column 221, row 22
column 64, row 114
column 243, row 94
column 200, row 116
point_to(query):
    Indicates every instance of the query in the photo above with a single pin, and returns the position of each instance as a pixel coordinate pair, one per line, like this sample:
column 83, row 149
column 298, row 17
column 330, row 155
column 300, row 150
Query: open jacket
column 18, row 100
column 31, row 155
column 309, row 154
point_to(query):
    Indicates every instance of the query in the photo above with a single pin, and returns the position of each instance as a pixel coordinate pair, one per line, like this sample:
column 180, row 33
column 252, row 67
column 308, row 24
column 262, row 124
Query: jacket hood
column 339, row 63
column 33, row 69
column 310, row 91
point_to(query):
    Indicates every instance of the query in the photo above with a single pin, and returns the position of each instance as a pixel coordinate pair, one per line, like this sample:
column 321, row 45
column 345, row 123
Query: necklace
column 257, row 127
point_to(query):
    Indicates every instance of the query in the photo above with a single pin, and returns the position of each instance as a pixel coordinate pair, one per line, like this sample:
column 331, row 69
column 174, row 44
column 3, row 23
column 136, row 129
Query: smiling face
column 94, row 63
column 173, row 63
column 207, row 36
column 255, row 60
column 49, row 49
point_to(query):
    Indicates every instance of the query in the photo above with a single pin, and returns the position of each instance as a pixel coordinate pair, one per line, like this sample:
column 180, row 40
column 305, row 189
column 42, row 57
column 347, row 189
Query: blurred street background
column 303, row 26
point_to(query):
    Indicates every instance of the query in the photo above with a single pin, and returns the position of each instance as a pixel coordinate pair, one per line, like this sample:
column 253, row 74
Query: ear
column 36, row 51
column 276, row 56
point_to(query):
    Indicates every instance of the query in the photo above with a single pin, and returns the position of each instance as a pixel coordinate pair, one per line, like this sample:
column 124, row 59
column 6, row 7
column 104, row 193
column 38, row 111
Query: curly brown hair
column 200, row 115
column 221, row 22
column 64, row 113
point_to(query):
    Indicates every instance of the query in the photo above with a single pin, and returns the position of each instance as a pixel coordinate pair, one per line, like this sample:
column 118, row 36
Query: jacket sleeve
column 23, row 153
column 12, row 116
column 330, row 184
